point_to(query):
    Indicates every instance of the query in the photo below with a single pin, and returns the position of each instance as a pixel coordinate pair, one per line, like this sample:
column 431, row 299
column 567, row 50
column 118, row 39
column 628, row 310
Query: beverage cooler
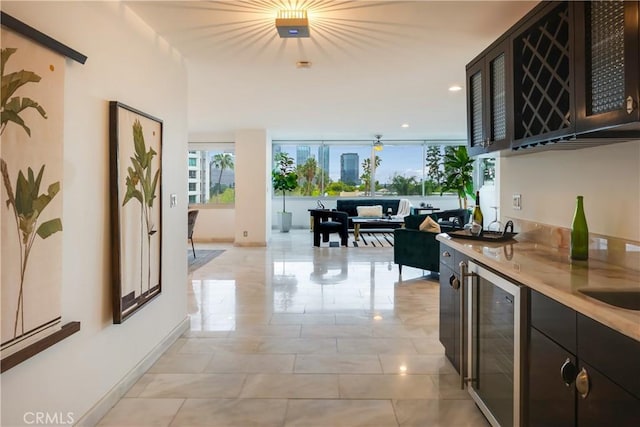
column 496, row 335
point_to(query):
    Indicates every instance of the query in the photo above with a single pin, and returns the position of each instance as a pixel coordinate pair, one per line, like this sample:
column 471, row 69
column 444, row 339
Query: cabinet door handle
column 582, row 383
column 464, row 274
column 446, row 254
column 454, row 282
column 568, row 372
column 630, row 104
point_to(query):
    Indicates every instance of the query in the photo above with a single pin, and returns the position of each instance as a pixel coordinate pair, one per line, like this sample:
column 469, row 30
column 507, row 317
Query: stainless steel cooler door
column 494, row 346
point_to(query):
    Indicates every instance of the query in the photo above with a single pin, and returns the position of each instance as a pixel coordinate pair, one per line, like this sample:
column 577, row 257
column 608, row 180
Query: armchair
column 416, row 248
column 326, row 222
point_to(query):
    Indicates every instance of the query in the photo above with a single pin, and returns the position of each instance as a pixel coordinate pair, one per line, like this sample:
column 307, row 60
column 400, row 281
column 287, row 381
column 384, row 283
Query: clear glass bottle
column 579, row 233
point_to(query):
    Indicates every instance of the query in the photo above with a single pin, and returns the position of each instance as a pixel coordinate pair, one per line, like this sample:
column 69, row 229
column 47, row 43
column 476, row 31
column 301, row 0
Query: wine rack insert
column 542, row 76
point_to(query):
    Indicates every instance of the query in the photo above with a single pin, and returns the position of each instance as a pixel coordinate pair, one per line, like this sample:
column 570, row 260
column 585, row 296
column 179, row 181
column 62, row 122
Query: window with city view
column 212, row 175
column 400, row 168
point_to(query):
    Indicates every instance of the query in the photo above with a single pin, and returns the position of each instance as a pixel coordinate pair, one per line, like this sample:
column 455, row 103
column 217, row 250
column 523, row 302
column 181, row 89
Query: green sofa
column 416, row 248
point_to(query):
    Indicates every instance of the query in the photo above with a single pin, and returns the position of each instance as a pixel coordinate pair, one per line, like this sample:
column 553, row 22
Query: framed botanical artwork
column 31, row 193
column 136, row 208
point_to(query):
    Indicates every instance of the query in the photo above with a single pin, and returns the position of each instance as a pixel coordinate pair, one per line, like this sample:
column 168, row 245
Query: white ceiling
column 376, row 65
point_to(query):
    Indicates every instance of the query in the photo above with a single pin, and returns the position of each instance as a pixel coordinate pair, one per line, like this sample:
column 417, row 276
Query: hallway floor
column 292, row 335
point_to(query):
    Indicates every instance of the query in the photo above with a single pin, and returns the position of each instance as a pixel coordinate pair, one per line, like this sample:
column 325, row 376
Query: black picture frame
column 135, row 140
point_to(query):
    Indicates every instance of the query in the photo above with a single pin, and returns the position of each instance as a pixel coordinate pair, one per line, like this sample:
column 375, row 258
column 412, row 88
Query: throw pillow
column 369, row 210
column 430, row 225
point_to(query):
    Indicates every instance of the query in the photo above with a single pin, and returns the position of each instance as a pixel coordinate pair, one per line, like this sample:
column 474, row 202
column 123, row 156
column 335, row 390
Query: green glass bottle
column 477, row 212
column 579, row 233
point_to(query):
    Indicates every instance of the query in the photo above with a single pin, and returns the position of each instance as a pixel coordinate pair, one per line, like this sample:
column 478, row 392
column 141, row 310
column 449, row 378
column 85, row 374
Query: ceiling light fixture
column 455, row 88
column 378, row 145
column 404, row 125
column 292, row 23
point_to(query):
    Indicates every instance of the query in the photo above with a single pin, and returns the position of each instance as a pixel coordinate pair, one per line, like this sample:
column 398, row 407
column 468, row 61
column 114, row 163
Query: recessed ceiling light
column 455, row 88
column 404, row 125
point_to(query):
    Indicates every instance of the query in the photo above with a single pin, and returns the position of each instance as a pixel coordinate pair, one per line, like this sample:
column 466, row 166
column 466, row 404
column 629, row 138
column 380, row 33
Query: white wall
column 215, row 224
column 128, row 63
column 253, row 187
column 607, row 176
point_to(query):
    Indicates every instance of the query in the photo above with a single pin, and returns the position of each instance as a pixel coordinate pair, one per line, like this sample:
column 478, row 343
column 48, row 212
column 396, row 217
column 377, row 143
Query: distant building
column 349, row 165
column 303, row 152
column 323, row 158
column 198, row 181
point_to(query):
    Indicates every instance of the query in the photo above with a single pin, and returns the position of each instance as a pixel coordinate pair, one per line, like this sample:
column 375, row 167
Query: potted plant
column 458, row 171
column 285, row 179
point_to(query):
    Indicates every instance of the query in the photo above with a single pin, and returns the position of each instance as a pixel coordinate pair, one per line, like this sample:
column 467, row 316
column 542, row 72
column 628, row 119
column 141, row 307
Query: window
column 343, row 168
column 211, row 173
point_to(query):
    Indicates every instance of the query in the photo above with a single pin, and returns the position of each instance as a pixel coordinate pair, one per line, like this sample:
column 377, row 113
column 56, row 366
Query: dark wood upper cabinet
column 543, row 53
column 607, row 69
column 567, row 72
column 489, row 128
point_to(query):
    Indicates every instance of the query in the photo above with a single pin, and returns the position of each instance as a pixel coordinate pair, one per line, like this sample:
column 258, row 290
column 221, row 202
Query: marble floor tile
column 210, row 345
column 340, row 413
column 376, row 346
column 438, row 413
column 223, row 362
column 433, row 364
column 297, row 345
column 387, row 387
column 194, row 385
column 180, row 363
column 139, row 385
column 270, row 345
column 337, row 364
column 399, row 331
column 141, row 412
column 291, row 331
column 292, row 386
column 231, row 413
column 336, row 331
column 448, row 386
column 302, row 319
column 430, row 345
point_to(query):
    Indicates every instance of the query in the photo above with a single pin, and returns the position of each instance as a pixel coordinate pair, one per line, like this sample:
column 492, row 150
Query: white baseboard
column 100, row 409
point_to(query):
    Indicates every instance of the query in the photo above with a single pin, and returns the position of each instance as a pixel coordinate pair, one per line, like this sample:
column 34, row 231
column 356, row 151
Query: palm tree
column 222, row 161
column 308, row 171
column 366, row 171
column 458, row 167
column 403, row 185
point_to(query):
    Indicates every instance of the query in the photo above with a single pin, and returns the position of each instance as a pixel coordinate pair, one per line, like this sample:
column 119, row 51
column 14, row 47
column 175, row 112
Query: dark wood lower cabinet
column 606, row 404
column 551, row 401
column 449, row 316
column 592, row 386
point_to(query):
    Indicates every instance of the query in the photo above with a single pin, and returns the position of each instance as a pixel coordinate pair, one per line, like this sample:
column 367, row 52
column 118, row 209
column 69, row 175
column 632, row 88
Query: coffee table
column 357, row 222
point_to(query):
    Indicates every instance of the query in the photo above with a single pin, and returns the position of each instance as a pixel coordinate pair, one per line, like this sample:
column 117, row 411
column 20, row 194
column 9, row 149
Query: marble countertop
column 549, row 271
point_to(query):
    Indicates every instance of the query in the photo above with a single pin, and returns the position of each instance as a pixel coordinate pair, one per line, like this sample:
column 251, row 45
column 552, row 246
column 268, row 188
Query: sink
column 623, row 298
